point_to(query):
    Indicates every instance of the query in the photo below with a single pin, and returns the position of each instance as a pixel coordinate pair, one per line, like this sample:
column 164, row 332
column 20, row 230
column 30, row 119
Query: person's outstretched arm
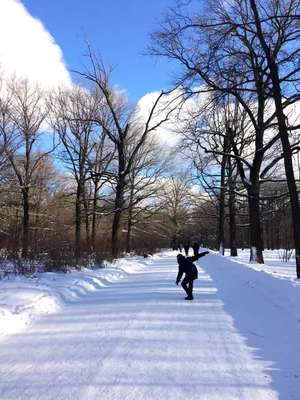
column 195, row 258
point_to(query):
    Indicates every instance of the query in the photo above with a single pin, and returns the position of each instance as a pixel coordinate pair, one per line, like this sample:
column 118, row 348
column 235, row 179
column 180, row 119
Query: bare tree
column 178, row 38
column 177, row 197
column 207, row 144
column 72, row 118
column 72, row 114
column 43, row 184
column 144, row 185
column 22, row 125
column 125, row 122
column 277, row 29
column 217, row 47
column 103, row 155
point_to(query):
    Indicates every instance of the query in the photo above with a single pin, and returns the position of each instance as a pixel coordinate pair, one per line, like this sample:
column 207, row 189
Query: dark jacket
column 185, row 265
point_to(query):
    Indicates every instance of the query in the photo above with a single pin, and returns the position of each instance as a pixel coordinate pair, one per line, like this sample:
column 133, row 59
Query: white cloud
column 27, row 48
column 166, row 132
column 170, row 133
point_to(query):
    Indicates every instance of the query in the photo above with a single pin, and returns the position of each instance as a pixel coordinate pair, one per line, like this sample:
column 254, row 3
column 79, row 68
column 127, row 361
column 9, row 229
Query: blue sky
column 119, row 28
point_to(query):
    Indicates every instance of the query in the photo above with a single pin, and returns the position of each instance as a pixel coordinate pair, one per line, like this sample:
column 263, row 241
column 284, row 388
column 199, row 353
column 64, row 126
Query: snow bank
column 273, row 263
column 283, row 291
column 23, row 300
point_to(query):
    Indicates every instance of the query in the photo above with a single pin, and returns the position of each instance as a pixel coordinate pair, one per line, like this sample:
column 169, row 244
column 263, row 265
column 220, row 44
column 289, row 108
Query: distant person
column 185, row 265
column 196, row 248
column 186, row 249
column 180, row 247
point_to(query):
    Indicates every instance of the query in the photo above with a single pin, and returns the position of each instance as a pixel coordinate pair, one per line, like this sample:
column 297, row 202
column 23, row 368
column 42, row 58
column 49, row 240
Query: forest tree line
column 84, row 172
column 243, row 55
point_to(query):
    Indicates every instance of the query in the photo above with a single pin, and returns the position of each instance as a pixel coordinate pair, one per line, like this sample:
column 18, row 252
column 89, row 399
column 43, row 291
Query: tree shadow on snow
column 268, row 324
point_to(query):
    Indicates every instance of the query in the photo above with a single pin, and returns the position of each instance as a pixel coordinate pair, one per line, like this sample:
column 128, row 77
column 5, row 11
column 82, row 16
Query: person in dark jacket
column 186, row 249
column 196, row 248
column 185, row 265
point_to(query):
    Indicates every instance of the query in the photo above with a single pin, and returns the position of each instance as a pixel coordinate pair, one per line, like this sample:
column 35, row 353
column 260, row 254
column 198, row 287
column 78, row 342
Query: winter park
column 149, row 187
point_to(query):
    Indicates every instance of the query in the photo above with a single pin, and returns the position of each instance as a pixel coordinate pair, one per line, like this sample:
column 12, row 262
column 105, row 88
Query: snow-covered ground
column 273, row 262
column 125, row 332
column 23, row 300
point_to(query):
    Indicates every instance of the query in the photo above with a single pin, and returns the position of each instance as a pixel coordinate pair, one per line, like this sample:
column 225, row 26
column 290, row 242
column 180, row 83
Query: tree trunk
column 272, row 232
column 267, row 231
column 119, row 204
column 256, row 244
column 87, row 230
column 221, row 221
column 278, row 241
column 16, row 232
column 25, row 245
column 242, row 238
column 87, row 220
column 221, row 234
column 288, row 163
column 232, row 222
column 78, row 220
column 129, row 230
column 95, row 203
column 129, row 223
column 35, row 239
column 284, row 136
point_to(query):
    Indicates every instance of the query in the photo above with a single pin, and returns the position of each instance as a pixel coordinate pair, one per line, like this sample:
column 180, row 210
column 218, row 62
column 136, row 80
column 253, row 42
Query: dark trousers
column 187, row 284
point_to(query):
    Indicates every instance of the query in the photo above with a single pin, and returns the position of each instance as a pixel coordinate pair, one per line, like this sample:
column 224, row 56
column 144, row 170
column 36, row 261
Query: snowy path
column 138, row 339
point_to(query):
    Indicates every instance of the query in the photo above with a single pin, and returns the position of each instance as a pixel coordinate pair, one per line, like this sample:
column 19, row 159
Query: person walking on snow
column 186, row 249
column 185, row 265
column 196, row 248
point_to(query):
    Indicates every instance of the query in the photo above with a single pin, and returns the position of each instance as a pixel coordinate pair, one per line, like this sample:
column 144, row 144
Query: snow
column 221, row 248
column 254, row 254
column 125, row 332
column 23, row 300
column 273, row 263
